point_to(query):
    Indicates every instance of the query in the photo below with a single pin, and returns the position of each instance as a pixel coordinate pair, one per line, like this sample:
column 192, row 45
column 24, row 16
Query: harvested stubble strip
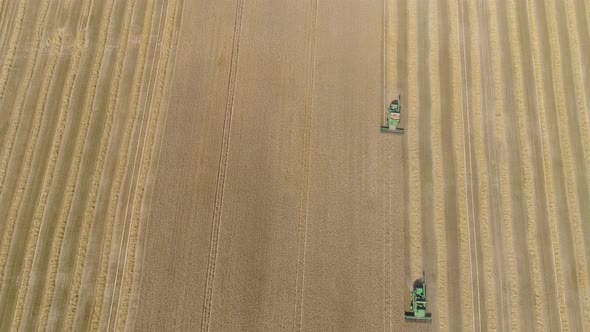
column 12, row 46
column 568, row 158
column 146, row 161
column 504, row 182
column 480, row 148
column 584, row 127
column 79, row 46
column 439, row 213
column 459, row 145
column 14, row 124
column 55, row 45
column 73, row 175
column 548, row 167
column 527, row 165
column 115, row 193
column 89, row 213
column 415, row 223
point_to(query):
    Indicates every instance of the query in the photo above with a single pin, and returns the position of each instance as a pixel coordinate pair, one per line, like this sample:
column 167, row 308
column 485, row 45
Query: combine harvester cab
column 418, row 311
column 393, row 118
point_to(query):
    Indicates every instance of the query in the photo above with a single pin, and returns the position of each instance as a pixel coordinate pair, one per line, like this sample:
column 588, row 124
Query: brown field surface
column 217, row 165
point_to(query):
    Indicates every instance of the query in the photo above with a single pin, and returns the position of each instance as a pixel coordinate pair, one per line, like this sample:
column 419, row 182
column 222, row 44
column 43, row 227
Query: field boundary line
column 305, row 163
column 138, row 72
column 138, row 156
column 216, row 220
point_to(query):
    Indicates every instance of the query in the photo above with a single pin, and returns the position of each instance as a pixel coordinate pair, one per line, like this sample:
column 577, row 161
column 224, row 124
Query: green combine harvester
column 393, row 118
column 418, row 311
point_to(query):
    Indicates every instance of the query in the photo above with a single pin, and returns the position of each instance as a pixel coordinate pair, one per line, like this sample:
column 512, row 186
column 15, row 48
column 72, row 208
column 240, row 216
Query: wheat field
column 81, row 87
column 217, row 165
column 498, row 162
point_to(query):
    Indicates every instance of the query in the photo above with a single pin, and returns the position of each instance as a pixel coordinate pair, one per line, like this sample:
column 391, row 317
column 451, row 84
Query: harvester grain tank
column 418, row 311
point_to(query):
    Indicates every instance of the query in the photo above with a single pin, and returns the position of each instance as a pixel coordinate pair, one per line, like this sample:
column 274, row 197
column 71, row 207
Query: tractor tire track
column 304, row 199
column 222, row 169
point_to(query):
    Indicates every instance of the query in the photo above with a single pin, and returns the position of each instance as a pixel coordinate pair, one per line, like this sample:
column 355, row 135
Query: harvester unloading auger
column 393, row 118
column 418, row 311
